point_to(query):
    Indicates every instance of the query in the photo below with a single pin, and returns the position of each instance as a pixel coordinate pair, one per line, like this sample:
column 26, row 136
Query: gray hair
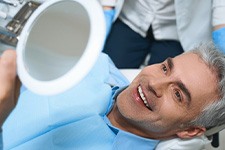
column 214, row 114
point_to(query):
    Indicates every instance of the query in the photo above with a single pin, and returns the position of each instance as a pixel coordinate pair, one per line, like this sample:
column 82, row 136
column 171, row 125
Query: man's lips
column 143, row 98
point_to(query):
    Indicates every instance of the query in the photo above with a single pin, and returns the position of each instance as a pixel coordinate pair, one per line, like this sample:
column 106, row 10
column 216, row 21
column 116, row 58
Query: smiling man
column 165, row 97
column 180, row 97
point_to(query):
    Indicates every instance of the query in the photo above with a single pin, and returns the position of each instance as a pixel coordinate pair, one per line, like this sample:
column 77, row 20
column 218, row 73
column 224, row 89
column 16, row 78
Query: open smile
column 143, row 98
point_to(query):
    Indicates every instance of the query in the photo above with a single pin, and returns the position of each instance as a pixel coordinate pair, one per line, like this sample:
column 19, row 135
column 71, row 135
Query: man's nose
column 158, row 85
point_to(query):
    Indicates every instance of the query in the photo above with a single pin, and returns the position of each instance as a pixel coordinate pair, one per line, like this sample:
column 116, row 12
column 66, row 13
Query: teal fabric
column 72, row 120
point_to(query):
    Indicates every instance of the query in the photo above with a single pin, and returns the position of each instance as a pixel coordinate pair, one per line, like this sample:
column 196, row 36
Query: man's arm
column 9, row 88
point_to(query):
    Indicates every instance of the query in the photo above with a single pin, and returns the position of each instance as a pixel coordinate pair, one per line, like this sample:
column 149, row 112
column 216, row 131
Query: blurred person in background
column 163, row 29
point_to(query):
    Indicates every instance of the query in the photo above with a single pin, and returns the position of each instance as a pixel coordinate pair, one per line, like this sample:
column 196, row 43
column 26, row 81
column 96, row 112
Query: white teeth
column 142, row 96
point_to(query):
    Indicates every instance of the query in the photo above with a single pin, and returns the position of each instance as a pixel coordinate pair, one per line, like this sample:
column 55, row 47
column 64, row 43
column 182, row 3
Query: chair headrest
column 214, row 130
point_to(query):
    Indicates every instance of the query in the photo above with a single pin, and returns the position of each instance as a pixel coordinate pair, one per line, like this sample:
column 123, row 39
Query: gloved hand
column 219, row 38
column 109, row 12
column 109, row 15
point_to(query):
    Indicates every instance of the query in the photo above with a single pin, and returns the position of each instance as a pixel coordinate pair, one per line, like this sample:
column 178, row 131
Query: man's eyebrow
column 179, row 83
column 170, row 63
column 185, row 90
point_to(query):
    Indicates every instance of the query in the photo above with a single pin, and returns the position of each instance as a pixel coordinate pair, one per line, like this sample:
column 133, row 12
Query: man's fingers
column 7, row 84
column 7, row 73
column 17, row 90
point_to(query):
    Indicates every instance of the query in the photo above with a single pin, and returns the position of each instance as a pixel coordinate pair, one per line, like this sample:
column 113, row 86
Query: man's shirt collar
column 123, row 139
column 126, row 140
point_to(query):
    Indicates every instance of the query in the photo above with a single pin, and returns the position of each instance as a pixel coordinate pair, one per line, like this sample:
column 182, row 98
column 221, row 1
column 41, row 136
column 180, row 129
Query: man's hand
column 9, row 84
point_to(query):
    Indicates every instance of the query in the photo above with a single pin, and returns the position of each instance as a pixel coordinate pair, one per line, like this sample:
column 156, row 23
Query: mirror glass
column 56, row 41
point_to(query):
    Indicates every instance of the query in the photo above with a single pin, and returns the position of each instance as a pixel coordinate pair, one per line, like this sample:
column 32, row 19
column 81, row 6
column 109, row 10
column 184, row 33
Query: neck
column 118, row 121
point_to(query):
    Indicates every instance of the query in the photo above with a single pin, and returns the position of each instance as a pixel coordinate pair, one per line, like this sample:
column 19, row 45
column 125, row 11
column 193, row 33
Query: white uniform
column 189, row 21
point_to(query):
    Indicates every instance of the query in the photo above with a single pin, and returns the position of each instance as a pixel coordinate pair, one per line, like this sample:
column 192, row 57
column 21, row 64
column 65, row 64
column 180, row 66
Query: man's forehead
column 188, row 55
column 196, row 75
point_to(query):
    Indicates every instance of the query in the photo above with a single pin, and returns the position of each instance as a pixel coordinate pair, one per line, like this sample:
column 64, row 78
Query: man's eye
column 178, row 95
column 164, row 68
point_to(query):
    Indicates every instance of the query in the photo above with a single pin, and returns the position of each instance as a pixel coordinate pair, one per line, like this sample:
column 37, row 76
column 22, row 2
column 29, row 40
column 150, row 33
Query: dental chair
column 214, row 139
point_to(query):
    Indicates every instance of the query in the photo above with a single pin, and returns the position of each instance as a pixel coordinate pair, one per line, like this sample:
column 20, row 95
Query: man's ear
column 191, row 132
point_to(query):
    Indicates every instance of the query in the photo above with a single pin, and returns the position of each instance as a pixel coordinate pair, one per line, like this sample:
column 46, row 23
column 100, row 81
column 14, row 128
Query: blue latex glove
column 109, row 15
column 219, row 38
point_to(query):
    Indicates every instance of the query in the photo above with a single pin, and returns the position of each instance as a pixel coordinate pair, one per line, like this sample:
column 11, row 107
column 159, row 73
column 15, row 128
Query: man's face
column 165, row 96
